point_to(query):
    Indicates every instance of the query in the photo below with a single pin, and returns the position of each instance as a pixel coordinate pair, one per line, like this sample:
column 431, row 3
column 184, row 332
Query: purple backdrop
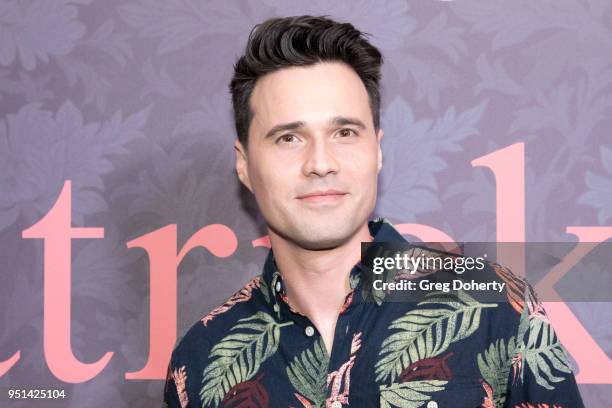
column 129, row 100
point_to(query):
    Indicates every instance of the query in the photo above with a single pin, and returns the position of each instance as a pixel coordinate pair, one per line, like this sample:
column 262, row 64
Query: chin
column 327, row 237
column 322, row 244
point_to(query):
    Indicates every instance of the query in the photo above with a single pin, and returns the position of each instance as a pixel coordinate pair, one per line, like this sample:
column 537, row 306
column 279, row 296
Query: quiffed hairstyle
column 301, row 41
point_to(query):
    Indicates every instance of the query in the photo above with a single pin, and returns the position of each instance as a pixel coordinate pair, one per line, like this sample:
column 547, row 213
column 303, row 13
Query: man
column 306, row 103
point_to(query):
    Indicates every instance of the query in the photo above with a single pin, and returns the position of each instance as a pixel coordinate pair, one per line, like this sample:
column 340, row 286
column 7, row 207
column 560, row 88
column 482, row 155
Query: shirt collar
column 381, row 230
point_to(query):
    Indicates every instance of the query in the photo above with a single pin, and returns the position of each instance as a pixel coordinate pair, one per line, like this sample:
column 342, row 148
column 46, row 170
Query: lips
column 322, row 193
column 323, row 198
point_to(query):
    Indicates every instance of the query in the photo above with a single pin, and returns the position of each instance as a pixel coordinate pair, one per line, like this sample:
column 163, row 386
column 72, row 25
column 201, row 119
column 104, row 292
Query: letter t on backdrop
column 56, row 232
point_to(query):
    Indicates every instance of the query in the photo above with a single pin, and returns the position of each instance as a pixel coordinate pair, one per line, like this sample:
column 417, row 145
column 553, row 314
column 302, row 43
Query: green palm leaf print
column 428, row 331
column 238, row 356
column 543, row 351
column 308, row 374
column 410, row 394
column 495, row 367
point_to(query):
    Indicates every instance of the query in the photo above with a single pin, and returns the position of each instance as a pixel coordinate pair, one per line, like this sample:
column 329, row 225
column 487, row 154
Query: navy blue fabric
column 254, row 351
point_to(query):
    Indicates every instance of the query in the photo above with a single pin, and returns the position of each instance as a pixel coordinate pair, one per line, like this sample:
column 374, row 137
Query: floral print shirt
column 448, row 350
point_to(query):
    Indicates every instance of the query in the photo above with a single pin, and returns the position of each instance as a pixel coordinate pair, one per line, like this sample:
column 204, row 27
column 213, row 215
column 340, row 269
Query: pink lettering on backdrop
column 160, row 245
column 427, row 234
column 6, row 365
column 508, row 167
column 54, row 228
column 56, row 231
column 594, row 365
column 262, row 242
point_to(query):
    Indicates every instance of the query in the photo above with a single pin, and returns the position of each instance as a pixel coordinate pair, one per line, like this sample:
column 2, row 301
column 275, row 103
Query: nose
column 320, row 159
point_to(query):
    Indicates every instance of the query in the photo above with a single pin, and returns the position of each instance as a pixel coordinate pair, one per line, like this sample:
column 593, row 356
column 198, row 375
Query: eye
column 288, row 138
column 347, row 132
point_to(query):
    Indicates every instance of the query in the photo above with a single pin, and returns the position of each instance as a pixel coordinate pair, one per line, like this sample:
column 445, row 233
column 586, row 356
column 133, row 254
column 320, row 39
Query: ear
column 379, row 136
column 242, row 167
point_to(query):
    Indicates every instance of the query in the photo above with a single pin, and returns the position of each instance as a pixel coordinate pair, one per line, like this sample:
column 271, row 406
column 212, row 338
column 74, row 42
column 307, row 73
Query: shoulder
column 519, row 293
column 195, row 358
column 493, row 282
column 217, row 323
column 509, row 297
column 485, row 280
column 540, row 364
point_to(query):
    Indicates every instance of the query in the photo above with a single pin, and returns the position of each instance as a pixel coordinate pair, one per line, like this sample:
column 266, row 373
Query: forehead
column 311, row 94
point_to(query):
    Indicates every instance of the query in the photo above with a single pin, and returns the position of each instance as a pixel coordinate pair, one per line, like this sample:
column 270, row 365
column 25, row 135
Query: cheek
column 363, row 168
column 273, row 182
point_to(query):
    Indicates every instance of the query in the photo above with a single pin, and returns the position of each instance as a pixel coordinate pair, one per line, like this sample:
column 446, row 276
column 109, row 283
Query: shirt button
column 309, row 331
column 432, row 404
column 278, row 286
column 336, row 404
column 276, row 307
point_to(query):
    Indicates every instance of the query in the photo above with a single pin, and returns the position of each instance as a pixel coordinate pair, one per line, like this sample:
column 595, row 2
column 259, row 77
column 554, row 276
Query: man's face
column 312, row 132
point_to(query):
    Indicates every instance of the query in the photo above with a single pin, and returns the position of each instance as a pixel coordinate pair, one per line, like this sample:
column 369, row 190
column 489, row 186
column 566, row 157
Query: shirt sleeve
column 540, row 373
column 175, row 393
column 171, row 399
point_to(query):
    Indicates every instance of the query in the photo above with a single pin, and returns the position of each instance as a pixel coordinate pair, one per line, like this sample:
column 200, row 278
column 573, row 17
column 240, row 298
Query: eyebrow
column 343, row 121
column 337, row 120
column 284, row 126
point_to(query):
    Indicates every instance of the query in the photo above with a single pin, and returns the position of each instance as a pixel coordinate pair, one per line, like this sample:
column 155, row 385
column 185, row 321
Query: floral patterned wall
column 129, row 101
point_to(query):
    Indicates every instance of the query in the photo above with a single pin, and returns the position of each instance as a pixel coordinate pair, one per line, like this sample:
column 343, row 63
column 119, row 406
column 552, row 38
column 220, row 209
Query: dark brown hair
column 301, row 41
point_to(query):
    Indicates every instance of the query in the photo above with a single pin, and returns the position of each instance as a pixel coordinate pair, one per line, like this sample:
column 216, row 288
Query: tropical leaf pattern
column 433, row 368
column 538, row 347
column 239, row 355
column 447, row 347
column 544, row 354
column 488, row 400
column 515, row 287
column 250, row 394
column 308, row 374
column 427, row 331
column 180, row 377
column 494, row 365
column 339, row 381
column 242, row 295
column 412, row 394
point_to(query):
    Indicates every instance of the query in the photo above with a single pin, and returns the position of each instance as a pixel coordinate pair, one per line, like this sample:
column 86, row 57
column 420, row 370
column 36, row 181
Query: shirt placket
column 342, row 356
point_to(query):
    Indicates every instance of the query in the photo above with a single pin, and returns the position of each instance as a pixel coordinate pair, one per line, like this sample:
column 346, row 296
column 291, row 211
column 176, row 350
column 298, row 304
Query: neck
column 317, row 282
